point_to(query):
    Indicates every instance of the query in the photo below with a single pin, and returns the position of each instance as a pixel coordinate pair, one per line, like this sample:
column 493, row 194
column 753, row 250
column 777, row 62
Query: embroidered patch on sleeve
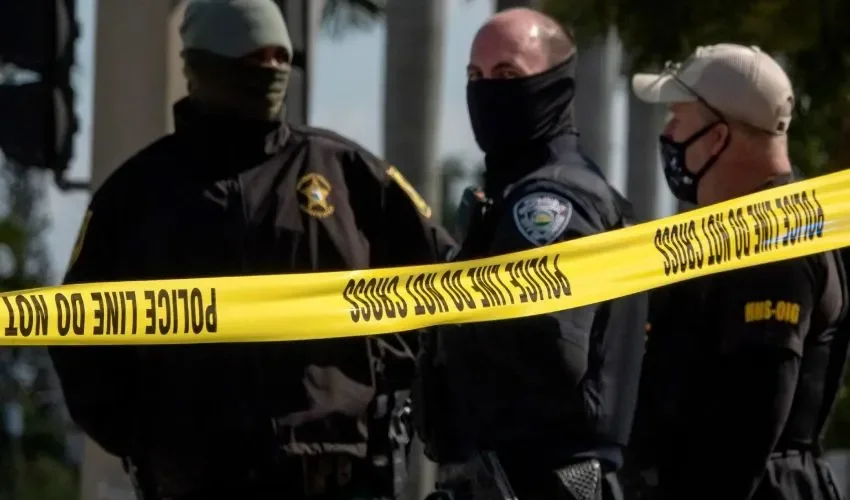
column 542, row 217
column 414, row 196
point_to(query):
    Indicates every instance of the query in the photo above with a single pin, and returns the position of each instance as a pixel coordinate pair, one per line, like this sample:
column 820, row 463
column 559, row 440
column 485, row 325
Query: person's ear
column 720, row 134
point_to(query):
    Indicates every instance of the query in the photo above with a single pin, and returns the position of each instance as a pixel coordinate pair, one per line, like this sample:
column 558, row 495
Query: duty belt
column 484, row 478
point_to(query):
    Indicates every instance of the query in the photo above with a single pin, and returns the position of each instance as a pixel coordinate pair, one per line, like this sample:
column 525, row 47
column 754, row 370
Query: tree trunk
column 413, row 81
column 647, row 189
column 598, row 73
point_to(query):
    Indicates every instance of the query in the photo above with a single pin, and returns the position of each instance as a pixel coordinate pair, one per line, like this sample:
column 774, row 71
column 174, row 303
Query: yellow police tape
column 781, row 223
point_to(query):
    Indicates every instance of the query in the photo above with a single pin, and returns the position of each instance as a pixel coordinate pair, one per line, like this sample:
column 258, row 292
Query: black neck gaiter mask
column 509, row 114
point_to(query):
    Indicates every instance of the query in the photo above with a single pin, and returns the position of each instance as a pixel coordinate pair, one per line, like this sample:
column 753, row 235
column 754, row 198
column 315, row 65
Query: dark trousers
column 796, row 475
column 789, row 475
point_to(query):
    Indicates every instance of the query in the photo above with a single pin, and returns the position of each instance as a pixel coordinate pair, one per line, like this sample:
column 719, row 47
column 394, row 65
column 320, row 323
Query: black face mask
column 683, row 184
column 510, row 113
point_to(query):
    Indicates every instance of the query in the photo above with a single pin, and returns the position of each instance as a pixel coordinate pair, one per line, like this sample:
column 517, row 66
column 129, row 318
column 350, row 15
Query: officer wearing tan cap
column 741, row 368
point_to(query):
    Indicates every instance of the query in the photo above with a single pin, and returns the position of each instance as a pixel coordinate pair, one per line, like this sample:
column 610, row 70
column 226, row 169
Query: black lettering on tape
column 786, row 219
column 370, row 300
column 78, row 314
column 775, row 230
column 27, row 316
column 111, row 313
column 797, row 218
column 440, row 302
column 503, row 287
column 163, row 303
column 530, row 267
column 484, row 300
column 97, row 298
column 196, row 308
column 547, row 276
column 150, row 312
column 811, row 216
column 561, row 278
column 131, row 297
column 418, row 308
column 11, row 329
column 821, row 219
column 657, row 241
column 699, row 252
column 385, row 286
column 183, row 295
column 63, row 314
column 211, row 315
column 482, row 274
column 457, row 284
column 530, row 289
column 745, row 241
column 510, row 267
column 492, row 275
column 448, row 286
column 542, row 278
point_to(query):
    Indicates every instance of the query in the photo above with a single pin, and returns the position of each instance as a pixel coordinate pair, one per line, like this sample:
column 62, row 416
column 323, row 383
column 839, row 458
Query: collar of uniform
column 222, row 133
column 776, row 180
column 505, row 168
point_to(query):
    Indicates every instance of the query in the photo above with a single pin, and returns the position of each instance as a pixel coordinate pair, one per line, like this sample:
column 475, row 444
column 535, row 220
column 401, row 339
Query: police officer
column 237, row 191
column 741, row 368
column 538, row 407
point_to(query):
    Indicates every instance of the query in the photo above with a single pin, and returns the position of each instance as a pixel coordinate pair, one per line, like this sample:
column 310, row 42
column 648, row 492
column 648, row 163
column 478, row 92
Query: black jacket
column 740, row 366
column 549, row 389
column 231, row 198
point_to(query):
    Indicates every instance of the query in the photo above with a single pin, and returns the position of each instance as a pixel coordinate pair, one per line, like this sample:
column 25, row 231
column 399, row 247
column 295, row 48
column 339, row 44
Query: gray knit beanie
column 233, row 28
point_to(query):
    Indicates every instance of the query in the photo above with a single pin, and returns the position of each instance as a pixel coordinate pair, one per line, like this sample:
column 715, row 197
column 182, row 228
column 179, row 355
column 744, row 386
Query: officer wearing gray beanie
column 237, row 56
column 236, row 190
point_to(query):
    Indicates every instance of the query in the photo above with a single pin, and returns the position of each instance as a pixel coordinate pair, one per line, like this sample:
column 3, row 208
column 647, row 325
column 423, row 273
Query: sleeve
column 737, row 412
column 401, row 227
column 98, row 382
column 410, row 221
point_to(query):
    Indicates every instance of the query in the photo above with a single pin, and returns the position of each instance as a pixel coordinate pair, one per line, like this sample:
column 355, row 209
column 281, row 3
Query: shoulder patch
column 81, row 238
column 542, row 217
column 414, row 196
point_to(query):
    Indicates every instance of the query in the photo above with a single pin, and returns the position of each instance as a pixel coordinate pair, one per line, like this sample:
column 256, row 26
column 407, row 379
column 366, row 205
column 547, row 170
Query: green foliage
column 810, row 36
column 340, row 17
column 32, row 467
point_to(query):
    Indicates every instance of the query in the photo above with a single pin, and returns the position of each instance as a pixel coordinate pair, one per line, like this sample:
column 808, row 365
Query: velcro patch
column 542, row 217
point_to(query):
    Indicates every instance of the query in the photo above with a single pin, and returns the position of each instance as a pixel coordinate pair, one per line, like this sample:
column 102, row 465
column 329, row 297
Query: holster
column 484, row 478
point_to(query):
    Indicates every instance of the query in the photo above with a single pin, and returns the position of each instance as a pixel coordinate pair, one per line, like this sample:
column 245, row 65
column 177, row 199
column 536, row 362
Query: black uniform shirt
column 226, row 198
column 533, row 387
column 736, row 368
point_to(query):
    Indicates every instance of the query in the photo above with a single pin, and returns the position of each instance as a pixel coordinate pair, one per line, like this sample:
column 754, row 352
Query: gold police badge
column 315, row 191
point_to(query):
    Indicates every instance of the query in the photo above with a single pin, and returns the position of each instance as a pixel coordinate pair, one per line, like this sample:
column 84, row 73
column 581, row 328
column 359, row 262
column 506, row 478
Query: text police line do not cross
column 518, row 282
column 802, row 218
column 121, row 312
column 759, row 227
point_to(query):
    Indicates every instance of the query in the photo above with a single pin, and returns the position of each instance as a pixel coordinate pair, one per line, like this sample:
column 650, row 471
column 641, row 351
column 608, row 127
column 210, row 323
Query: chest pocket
column 300, row 220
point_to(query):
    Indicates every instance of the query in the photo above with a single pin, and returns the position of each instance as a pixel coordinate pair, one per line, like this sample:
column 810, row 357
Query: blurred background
column 84, row 84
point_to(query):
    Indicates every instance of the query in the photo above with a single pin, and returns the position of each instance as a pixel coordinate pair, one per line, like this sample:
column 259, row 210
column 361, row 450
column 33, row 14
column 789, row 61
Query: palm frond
column 343, row 16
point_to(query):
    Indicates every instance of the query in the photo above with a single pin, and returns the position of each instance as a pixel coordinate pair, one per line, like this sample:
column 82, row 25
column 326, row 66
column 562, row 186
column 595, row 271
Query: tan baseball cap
column 739, row 82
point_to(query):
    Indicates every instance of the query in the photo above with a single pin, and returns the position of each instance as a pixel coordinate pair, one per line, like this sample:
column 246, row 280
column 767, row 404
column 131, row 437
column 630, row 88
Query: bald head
column 516, row 43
